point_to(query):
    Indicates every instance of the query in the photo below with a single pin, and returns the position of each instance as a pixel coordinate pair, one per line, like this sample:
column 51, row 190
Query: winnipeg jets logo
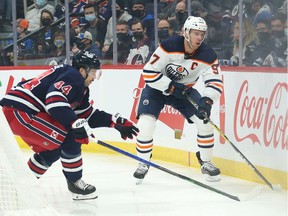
column 176, row 72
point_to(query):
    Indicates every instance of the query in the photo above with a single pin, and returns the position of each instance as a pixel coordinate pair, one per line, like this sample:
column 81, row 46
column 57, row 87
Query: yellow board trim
column 228, row 167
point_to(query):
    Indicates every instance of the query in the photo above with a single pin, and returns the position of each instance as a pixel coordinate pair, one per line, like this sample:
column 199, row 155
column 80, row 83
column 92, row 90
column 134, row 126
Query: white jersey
column 169, row 62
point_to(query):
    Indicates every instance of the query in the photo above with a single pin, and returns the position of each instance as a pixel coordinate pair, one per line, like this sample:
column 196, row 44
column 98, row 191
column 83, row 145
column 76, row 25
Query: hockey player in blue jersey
column 170, row 75
column 53, row 115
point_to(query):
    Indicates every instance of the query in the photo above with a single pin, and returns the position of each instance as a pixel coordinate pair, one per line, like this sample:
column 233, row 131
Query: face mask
column 263, row 36
column 181, row 17
column 90, row 18
column 137, row 13
column 138, row 35
column 118, row 13
column 163, row 33
column 122, row 36
column 59, row 43
column 40, row 3
column 46, row 21
column 286, row 32
column 278, row 34
column 80, row 45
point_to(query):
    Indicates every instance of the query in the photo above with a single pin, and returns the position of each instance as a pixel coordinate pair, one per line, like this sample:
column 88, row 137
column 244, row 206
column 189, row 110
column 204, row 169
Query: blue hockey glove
column 179, row 90
column 204, row 108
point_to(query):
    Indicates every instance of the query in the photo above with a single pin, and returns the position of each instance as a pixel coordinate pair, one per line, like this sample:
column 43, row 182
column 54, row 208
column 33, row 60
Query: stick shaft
column 234, row 147
column 165, row 169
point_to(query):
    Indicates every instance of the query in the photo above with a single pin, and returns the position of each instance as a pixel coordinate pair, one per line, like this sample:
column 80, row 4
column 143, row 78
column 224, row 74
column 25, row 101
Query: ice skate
column 81, row 190
column 211, row 172
column 141, row 172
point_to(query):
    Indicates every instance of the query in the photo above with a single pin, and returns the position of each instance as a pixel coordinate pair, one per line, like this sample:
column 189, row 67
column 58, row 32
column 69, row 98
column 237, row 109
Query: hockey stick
column 273, row 187
column 254, row 193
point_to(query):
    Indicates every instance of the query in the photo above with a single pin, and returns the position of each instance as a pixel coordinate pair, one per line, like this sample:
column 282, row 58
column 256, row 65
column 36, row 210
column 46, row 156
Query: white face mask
column 286, row 32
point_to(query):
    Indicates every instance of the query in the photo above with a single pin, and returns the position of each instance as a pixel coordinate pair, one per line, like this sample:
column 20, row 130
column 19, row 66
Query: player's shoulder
column 69, row 74
column 173, row 44
column 205, row 53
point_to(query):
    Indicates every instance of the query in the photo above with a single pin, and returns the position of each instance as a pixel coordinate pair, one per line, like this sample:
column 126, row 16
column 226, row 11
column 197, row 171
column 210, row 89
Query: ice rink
column 160, row 193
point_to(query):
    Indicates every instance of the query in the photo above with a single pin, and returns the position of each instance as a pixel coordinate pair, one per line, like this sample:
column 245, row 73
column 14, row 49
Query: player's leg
column 205, row 141
column 150, row 104
column 205, row 136
column 71, row 160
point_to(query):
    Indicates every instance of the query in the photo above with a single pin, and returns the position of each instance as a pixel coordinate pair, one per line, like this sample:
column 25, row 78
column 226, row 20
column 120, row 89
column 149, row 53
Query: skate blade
column 84, row 197
column 138, row 181
column 212, row 178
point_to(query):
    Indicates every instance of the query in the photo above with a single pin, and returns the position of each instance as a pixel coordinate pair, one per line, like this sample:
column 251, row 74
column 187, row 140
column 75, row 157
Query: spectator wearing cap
column 33, row 15
column 97, row 26
column 198, row 10
column 121, row 15
column 138, row 12
column 261, row 10
column 23, row 48
column 84, row 43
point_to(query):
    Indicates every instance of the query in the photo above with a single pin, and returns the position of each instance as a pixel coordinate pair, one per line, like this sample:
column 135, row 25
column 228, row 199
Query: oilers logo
column 176, row 72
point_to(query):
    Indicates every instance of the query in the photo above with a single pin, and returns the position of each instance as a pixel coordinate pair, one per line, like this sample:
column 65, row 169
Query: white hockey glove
column 81, row 131
column 124, row 126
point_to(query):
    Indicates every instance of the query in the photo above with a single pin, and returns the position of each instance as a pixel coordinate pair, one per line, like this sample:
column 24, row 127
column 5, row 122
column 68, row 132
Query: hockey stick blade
column 165, row 169
column 273, row 187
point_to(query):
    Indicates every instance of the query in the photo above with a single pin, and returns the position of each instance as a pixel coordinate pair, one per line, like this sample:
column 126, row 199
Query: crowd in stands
column 41, row 31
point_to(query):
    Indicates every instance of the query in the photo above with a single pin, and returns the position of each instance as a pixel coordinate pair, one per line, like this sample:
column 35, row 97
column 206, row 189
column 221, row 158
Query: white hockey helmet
column 196, row 23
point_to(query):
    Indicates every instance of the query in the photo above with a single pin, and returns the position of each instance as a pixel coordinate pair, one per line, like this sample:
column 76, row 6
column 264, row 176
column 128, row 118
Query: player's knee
column 146, row 125
column 201, row 127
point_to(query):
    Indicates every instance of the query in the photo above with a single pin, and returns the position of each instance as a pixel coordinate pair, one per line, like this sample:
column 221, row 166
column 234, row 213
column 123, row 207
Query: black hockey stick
column 171, row 172
column 273, row 187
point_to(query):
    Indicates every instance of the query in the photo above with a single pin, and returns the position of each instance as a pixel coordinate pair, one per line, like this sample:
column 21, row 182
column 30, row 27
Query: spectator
column 179, row 17
column 104, row 9
column 97, row 26
column 138, row 11
column 33, row 16
column 265, row 42
column 78, row 6
column 165, row 30
column 278, row 55
column 198, row 10
column 124, row 43
column 84, row 43
column 25, row 47
column 249, row 39
column 44, row 40
column 142, row 46
column 121, row 15
column 261, row 10
column 58, row 50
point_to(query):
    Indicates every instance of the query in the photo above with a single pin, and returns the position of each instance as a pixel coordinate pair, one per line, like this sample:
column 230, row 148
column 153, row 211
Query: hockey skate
column 211, row 172
column 141, row 172
column 81, row 190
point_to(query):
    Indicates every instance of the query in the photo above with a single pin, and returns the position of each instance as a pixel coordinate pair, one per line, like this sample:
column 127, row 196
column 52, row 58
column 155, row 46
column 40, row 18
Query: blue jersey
column 60, row 92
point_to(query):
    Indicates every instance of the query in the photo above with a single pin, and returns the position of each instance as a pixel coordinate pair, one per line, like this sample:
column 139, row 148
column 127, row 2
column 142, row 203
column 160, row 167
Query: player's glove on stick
column 81, row 131
column 124, row 126
column 204, row 108
column 179, row 90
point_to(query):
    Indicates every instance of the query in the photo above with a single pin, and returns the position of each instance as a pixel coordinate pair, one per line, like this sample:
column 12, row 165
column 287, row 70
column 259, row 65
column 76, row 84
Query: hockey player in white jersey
column 170, row 75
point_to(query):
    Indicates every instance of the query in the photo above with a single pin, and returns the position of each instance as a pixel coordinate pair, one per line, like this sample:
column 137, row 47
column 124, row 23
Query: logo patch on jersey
column 145, row 102
column 176, row 72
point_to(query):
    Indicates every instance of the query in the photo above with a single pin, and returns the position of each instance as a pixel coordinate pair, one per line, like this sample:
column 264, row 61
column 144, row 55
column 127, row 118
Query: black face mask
column 138, row 35
column 118, row 13
column 163, row 34
column 181, row 17
column 278, row 34
column 123, row 37
column 137, row 13
column 263, row 36
column 46, row 21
